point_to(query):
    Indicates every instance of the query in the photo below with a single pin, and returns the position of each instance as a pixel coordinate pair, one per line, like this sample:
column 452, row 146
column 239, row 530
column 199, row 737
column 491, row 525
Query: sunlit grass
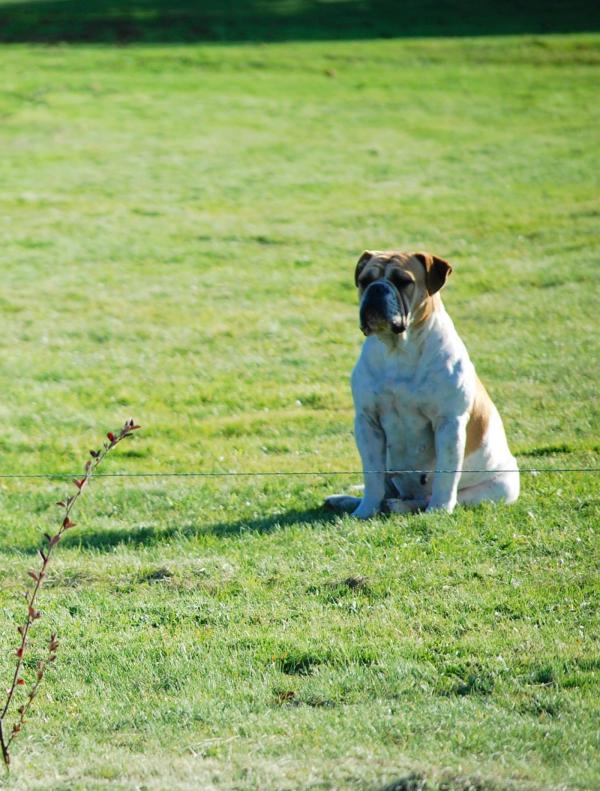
column 179, row 227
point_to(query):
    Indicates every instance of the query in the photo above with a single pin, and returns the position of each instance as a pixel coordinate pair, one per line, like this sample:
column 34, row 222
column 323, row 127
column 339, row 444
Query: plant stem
column 32, row 614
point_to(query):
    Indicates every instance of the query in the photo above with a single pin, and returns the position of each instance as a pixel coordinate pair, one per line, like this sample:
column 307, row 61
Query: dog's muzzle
column 382, row 308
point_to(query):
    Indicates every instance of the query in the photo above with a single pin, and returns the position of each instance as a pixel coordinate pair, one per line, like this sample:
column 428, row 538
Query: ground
column 179, row 228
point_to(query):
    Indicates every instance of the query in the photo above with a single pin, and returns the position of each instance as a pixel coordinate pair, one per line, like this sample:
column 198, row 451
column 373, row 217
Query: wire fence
column 291, row 473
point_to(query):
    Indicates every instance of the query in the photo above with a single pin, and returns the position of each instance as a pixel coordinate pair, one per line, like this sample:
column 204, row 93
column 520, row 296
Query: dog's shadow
column 107, row 539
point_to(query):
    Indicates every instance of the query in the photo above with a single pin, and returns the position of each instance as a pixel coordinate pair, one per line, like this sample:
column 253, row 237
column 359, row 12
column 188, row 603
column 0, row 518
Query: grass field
column 179, row 226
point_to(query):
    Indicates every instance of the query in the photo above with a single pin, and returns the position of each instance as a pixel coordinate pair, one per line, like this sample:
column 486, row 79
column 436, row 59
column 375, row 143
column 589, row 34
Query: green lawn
column 179, row 226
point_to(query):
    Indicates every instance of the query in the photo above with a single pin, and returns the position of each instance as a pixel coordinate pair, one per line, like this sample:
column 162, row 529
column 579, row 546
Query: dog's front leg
column 450, row 437
column 370, row 440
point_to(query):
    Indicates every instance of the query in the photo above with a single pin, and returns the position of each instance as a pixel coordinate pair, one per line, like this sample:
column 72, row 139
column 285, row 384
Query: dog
column 428, row 434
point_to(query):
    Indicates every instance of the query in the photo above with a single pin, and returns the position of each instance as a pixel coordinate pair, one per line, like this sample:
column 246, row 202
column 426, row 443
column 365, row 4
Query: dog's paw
column 365, row 510
column 342, row 503
column 443, row 506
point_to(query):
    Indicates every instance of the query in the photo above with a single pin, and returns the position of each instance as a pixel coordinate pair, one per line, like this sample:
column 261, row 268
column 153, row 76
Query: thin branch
column 31, row 596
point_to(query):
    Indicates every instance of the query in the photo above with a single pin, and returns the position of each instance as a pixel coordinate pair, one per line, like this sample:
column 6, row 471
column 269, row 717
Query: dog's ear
column 360, row 265
column 436, row 271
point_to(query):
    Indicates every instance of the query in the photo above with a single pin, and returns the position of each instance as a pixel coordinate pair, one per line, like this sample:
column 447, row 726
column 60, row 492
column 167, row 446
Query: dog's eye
column 401, row 280
column 366, row 279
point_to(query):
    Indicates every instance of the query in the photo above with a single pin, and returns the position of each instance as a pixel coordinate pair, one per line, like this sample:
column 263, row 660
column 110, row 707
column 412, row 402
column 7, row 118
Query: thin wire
column 219, row 474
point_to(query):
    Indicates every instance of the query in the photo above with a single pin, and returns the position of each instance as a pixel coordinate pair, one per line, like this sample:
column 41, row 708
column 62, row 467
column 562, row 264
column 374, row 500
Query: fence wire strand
column 289, row 473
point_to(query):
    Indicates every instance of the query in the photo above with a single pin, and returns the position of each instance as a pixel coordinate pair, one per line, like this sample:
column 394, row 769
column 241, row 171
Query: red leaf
column 33, row 575
column 111, row 436
column 21, row 682
column 67, row 523
column 20, row 652
column 80, row 484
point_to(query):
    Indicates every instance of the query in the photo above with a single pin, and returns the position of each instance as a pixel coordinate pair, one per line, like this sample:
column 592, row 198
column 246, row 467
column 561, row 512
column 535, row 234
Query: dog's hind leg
column 504, row 488
column 344, row 503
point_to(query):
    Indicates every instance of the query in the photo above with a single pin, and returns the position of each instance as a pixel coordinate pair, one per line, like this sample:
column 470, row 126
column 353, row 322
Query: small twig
column 33, row 614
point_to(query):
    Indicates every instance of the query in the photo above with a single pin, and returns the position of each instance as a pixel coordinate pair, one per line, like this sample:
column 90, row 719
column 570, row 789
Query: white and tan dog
column 418, row 401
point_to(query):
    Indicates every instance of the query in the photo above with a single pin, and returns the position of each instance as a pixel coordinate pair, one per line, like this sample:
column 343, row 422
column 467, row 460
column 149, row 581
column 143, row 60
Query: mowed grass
column 179, row 228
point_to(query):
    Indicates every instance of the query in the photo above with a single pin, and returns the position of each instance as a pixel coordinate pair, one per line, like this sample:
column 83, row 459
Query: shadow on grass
column 149, row 536
column 107, row 538
column 153, row 21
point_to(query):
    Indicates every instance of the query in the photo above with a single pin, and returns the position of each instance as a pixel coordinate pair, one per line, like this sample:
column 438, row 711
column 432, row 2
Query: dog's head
column 396, row 290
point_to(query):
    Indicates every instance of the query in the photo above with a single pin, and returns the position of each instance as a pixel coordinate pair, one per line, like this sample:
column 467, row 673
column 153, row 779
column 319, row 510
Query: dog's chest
column 396, row 389
column 402, row 398
column 409, row 391
column 401, row 406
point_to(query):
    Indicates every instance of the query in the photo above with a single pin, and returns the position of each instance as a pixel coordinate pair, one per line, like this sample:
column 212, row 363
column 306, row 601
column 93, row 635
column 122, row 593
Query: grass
column 179, row 227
